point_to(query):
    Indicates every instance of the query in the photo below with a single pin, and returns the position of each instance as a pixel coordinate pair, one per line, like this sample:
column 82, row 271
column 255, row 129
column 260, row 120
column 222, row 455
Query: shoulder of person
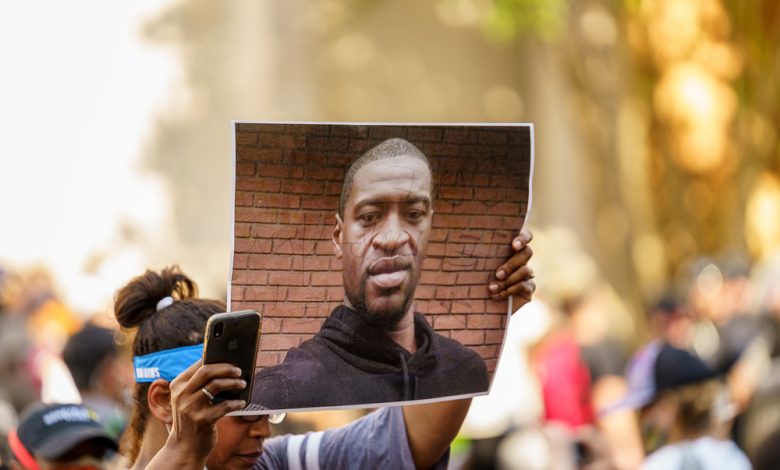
column 377, row 440
column 666, row 457
column 707, row 452
column 723, row 452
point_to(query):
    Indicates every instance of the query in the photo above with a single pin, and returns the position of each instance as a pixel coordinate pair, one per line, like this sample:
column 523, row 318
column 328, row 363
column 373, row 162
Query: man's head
column 95, row 361
column 382, row 229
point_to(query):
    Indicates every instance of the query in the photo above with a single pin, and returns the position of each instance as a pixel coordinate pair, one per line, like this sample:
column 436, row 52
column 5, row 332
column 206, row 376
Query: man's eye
column 415, row 215
column 368, row 218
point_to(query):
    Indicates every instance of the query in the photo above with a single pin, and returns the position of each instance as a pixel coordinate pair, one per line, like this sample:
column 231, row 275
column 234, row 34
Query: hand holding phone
column 233, row 338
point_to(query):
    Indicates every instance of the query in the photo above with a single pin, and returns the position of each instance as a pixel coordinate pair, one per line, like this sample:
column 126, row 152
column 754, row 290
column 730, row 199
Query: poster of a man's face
column 369, row 250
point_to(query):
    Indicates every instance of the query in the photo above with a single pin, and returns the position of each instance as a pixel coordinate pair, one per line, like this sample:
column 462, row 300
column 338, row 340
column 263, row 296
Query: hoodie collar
column 369, row 348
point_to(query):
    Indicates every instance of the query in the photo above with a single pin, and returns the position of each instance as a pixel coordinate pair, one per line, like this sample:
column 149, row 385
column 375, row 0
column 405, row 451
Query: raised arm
column 432, row 427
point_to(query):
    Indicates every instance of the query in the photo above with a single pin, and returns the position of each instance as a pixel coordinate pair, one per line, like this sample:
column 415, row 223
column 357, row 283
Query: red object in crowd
column 565, row 381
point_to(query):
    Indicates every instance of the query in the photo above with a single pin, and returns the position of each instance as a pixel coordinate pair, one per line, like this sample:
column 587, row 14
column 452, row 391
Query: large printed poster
column 368, row 250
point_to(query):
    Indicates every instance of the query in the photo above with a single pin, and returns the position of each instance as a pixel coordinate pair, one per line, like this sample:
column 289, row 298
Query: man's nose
column 391, row 234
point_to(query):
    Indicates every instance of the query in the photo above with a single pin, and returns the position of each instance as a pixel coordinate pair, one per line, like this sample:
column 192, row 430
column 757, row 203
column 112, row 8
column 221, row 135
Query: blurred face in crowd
column 116, row 377
column 673, row 326
column 383, row 237
column 239, row 442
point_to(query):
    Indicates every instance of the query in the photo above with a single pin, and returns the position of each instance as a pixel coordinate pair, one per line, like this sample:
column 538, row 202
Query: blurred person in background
column 563, row 372
column 102, row 374
column 719, row 298
column 579, row 366
column 737, row 326
column 614, row 438
column 730, row 336
column 670, row 321
column 503, row 429
column 34, row 330
column 578, row 362
column 761, row 419
column 17, row 387
column 513, row 403
column 8, row 368
column 684, row 411
column 59, row 436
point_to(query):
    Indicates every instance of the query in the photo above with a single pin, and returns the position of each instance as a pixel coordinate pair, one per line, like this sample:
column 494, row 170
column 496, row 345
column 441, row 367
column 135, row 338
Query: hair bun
column 137, row 300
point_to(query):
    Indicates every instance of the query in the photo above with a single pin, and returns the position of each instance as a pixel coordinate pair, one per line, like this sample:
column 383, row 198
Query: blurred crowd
column 52, row 354
column 693, row 382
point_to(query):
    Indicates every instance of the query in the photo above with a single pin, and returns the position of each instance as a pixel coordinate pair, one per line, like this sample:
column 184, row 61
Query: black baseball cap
column 50, row 431
column 658, row 367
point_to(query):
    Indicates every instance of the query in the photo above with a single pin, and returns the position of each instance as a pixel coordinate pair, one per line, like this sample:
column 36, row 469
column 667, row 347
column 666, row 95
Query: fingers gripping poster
column 368, row 250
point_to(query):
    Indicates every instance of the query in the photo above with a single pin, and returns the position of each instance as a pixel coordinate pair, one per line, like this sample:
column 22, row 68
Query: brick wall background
column 288, row 180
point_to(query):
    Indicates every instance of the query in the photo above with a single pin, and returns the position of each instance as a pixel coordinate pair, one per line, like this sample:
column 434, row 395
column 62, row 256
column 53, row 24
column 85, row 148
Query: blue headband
column 166, row 364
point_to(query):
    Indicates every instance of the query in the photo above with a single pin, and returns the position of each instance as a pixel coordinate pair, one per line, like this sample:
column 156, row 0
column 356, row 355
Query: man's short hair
column 85, row 351
column 390, row 148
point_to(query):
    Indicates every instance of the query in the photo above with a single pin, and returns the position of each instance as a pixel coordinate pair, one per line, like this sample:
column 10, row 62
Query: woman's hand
column 193, row 430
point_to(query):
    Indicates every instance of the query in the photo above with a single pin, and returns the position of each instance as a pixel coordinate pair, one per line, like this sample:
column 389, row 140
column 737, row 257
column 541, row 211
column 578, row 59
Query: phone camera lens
column 218, row 329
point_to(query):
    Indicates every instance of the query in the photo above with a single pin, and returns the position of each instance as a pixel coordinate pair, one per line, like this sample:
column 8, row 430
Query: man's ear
column 159, row 399
column 338, row 231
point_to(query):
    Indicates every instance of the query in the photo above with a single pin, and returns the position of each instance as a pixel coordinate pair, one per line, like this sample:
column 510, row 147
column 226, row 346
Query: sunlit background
column 656, row 127
column 656, row 120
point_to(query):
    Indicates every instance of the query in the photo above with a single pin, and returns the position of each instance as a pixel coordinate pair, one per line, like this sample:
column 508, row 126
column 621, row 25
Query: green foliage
column 508, row 19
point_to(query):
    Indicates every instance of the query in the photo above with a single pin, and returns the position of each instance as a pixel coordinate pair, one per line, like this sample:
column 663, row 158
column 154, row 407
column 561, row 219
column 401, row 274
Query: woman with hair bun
column 168, row 321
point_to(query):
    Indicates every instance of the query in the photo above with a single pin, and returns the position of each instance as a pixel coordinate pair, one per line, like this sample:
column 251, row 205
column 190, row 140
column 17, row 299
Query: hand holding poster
column 369, row 249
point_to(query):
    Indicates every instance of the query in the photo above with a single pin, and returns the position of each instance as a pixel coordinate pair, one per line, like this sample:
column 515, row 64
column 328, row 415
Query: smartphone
column 233, row 337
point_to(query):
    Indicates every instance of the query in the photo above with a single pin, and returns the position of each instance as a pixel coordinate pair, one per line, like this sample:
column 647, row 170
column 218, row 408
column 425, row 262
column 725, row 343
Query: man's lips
column 388, row 273
column 389, row 265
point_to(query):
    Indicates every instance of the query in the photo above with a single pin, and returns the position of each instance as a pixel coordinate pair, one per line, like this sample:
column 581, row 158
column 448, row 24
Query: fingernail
column 243, row 403
column 501, row 274
column 517, row 244
column 237, row 371
column 243, row 384
column 494, row 287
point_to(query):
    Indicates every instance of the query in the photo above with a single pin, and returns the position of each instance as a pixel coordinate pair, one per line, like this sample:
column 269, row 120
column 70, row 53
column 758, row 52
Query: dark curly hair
column 180, row 324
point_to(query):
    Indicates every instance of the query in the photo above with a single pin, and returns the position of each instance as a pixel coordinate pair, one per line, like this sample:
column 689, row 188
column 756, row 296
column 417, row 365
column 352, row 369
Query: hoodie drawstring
column 405, row 369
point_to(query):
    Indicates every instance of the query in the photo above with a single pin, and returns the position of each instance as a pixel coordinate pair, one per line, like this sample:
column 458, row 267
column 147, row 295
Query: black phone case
column 236, row 345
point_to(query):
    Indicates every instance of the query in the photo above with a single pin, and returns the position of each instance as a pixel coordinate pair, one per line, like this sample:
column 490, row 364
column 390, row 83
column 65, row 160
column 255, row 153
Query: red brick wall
column 288, row 180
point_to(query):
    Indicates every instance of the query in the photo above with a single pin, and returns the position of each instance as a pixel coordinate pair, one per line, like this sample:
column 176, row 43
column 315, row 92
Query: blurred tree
column 680, row 110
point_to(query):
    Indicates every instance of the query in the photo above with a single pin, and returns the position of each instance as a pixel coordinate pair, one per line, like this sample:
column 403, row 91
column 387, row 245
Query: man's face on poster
column 383, row 236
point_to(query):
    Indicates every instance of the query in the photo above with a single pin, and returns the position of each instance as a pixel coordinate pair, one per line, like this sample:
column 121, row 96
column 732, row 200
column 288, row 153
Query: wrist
column 186, row 453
